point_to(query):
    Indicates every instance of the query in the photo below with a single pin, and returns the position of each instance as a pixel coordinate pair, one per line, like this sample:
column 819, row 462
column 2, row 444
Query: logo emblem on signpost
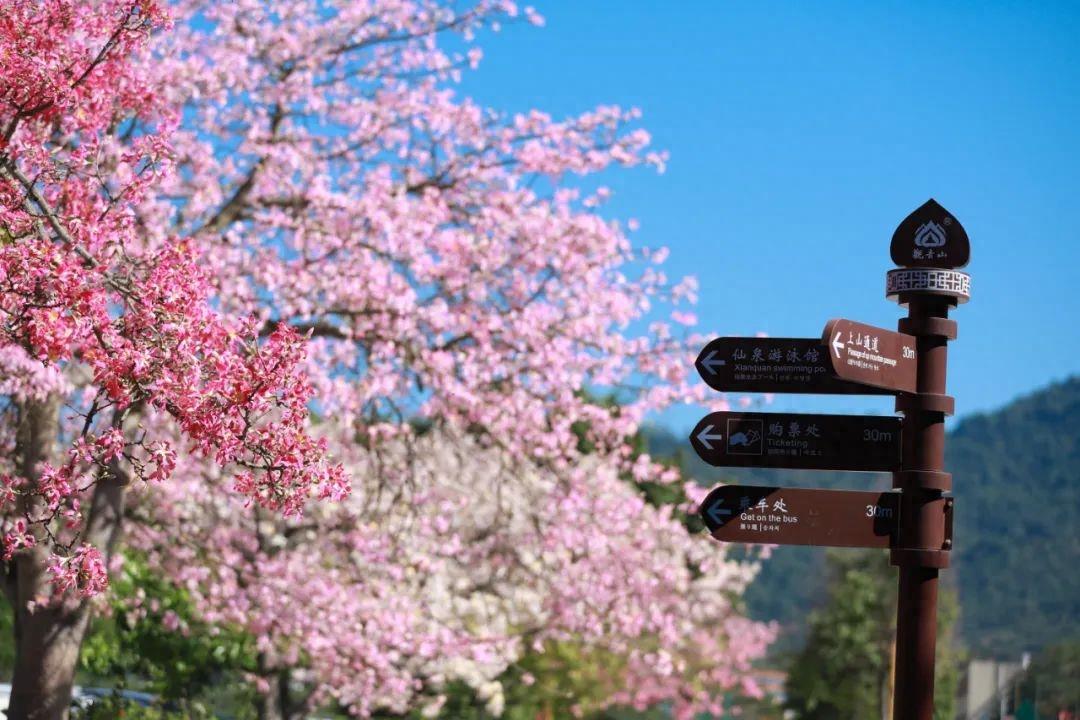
column 930, row 235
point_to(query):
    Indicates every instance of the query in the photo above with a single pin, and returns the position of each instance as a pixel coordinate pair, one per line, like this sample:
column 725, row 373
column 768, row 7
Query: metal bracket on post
column 938, row 327
column 936, row 555
column 926, row 402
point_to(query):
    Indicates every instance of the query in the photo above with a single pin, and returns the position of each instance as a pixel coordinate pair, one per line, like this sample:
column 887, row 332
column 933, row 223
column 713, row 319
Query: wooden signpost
column 915, row 520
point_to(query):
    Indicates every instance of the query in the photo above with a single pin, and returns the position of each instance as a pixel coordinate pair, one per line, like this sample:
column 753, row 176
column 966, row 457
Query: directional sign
column 869, row 355
column 792, row 440
column 930, row 237
column 773, row 365
column 794, row 516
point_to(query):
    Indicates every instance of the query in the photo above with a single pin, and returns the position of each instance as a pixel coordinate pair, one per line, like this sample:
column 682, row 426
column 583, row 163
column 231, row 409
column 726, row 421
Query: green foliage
column 565, row 675
column 1053, row 680
column 189, row 668
column 1017, row 481
column 115, row 707
column 566, row 680
column 133, row 642
column 950, row 657
column 7, row 638
column 845, row 669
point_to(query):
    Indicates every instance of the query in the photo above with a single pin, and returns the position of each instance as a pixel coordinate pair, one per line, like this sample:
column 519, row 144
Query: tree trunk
column 278, row 703
column 270, row 702
column 48, row 639
column 275, row 704
column 46, row 653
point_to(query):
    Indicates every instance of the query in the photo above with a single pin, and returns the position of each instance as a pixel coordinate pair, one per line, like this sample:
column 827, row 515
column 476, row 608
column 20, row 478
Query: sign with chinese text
column 869, row 355
column 930, row 237
column 794, row 440
column 773, row 365
column 796, row 516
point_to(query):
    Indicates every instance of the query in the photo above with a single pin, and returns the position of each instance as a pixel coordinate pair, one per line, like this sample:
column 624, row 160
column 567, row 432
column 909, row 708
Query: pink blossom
column 17, row 538
column 348, row 324
column 84, row 572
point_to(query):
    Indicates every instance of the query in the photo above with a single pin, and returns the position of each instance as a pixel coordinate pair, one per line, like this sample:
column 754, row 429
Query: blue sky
column 801, row 134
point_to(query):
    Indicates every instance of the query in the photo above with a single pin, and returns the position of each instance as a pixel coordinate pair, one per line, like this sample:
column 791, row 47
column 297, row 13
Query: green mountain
column 1016, row 563
column 1016, row 475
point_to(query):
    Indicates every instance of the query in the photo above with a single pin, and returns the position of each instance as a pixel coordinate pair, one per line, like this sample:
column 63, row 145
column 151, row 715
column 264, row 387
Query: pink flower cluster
column 331, row 254
column 67, row 62
column 449, row 562
column 88, row 296
column 452, row 274
column 17, row 538
column 84, row 572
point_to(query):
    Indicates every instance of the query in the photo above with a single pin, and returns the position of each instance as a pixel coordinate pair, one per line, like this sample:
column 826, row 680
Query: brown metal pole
column 915, row 644
column 924, row 542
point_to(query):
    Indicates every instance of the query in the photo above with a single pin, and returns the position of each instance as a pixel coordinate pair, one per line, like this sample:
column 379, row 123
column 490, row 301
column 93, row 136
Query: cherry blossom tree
column 102, row 323
column 244, row 245
column 449, row 272
column 381, row 601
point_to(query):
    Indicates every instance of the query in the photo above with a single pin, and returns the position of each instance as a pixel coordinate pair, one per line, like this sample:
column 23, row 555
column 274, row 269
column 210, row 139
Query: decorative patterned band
column 928, row 280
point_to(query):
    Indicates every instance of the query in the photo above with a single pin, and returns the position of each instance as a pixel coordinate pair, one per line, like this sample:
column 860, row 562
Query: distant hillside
column 1017, row 479
column 1016, row 474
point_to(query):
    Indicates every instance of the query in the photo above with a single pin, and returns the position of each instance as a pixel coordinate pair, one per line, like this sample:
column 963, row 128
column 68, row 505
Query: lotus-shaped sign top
column 930, row 237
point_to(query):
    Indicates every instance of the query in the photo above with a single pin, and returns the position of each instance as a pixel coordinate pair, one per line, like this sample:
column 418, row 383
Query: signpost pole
column 916, row 523
column 928, row 245
column 925, row 540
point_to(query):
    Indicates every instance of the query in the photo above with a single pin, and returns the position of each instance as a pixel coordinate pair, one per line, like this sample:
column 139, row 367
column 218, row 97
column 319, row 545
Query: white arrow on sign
column 837, row 345
column 704, row 437
column 718, row 512
column 710, row 362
